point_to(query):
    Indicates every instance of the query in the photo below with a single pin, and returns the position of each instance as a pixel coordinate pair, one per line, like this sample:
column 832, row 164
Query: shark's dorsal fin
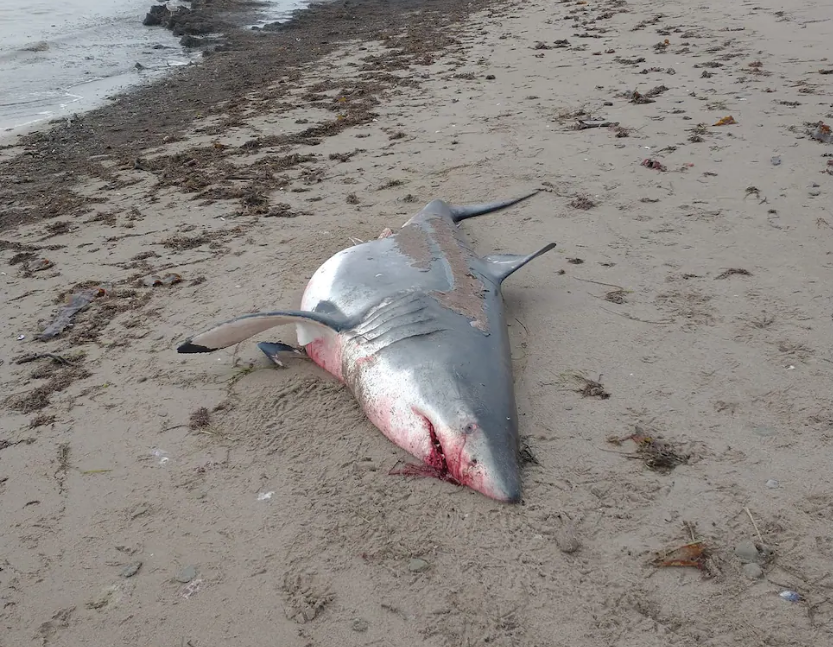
column 241, row 328
column 463, row 211
column 499, row 266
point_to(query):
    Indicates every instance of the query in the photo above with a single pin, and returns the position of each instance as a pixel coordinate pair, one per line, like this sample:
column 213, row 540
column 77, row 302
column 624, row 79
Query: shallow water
column 61, row 57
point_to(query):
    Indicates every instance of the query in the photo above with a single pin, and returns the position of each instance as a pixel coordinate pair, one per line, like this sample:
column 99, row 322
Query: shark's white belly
column 359, row 278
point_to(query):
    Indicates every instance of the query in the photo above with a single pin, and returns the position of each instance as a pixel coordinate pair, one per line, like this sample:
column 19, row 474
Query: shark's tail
column 461, row 212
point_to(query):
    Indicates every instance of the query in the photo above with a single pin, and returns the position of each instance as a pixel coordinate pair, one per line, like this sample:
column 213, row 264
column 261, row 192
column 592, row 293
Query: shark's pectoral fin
column 241, row 328
column 463, row 211
column 274, row 350
column 499, row 266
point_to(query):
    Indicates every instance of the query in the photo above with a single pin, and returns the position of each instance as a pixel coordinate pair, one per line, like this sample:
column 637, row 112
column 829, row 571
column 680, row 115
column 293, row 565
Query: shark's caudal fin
column 463, row 211
column 500, row 266
column 241, row 328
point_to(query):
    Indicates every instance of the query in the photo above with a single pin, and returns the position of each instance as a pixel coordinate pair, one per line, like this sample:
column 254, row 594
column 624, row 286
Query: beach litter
column 192, row 588
column 584, row 124
column 77, row 302
column 657, row 454
column 653, row 164
column 694, row 554
column 167, row 279
column 38, row 265
column 728, row 120
column 822, row 133
column 161, row 454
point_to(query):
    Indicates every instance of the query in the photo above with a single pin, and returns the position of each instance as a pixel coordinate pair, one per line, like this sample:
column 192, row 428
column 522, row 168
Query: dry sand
column 696, row 292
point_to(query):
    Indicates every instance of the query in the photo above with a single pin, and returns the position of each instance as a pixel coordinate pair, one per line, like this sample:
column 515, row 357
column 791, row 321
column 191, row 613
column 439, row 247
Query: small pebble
column 359, row 625
column 772, row 484
column 417, row 565
column 131, row 569
column 776, row 161
column 753, row 571
column 790, row 596
column 566, row 540
column 815, row 192
column 747, row 552
column 186, row 574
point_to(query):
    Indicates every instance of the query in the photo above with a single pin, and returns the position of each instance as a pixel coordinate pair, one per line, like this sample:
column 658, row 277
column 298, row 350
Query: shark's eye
column 470, row 428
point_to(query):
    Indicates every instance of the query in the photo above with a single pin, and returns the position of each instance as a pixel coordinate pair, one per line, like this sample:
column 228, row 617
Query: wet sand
column 672, row 359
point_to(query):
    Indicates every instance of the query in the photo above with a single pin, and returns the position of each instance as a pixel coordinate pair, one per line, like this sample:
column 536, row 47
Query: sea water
column 62, row 57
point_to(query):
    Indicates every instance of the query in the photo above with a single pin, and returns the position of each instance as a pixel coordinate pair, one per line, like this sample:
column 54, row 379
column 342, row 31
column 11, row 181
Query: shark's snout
column 499, row 482
column 473, row 458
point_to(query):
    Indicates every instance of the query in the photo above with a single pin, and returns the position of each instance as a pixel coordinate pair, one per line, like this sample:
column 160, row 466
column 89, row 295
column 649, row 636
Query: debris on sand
column 37, row 265
column 526, row 454
column 821, row 132
column 654, row 164
column 585, row 386
column 648, row 97
column 199, row 419
column 732, row 272
column 694, row 555
column 41, row 420
column 629, row 61
column 616, row 296
column 728, row 120
column 166, row 279
column 39, row 397
column 77, row 302
column 697, row 133
column 657, row 454
column 57, row 359
column 582, row 202
column 584, row 124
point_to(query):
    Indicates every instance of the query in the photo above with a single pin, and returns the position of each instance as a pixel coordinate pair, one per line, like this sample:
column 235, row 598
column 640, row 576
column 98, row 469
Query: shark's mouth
column 436, row 463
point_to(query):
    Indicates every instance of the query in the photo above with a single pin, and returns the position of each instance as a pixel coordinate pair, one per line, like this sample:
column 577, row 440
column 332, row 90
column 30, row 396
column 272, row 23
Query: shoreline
column 150, row 115
column 66, row 64
column 671, row 356
column 199, row 27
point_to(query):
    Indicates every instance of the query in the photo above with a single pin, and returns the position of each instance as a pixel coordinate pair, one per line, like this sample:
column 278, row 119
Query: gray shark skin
column 414, row 325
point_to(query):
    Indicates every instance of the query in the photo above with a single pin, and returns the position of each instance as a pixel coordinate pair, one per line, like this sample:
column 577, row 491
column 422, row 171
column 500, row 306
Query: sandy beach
column 672, row 357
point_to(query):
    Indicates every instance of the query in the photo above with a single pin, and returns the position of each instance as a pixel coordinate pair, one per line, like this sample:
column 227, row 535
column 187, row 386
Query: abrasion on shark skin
column 413, row 324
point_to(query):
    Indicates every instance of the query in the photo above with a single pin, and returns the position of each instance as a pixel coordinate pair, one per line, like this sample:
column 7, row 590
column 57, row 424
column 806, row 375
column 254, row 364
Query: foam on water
column 61, row 57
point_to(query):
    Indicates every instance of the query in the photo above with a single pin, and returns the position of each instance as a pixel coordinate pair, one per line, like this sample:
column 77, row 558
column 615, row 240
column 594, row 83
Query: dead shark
column 413, row 323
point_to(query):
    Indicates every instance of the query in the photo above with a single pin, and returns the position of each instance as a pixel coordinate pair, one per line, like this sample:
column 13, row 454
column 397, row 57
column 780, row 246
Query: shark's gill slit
column 435, row 465
column 438, row 455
